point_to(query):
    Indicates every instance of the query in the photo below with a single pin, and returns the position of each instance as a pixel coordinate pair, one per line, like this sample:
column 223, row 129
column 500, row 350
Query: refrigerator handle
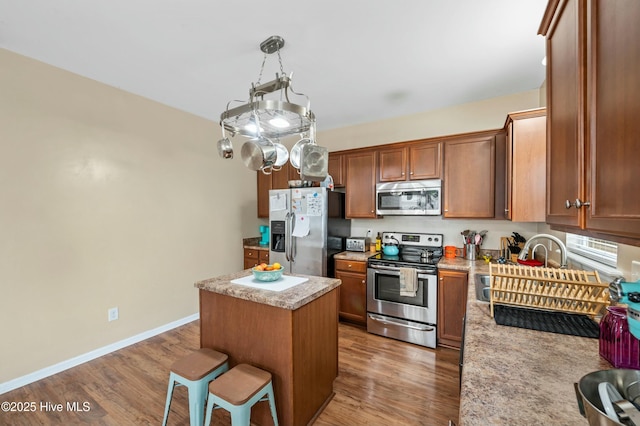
column 292, row 249
column 287, row 233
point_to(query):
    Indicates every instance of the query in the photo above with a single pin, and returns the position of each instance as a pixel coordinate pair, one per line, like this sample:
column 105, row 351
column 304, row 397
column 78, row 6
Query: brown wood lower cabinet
column 353, row 290
column 452, row 305
column 253, row 257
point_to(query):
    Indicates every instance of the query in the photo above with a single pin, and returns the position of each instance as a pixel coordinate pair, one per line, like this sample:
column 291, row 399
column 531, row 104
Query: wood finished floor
column 381, row 382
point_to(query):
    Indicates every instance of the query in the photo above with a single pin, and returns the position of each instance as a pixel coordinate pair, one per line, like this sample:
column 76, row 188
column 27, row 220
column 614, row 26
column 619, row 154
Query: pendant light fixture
column 270, row 104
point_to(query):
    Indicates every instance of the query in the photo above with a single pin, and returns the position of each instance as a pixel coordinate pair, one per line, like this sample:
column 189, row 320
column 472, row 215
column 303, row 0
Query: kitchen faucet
column 563, row 249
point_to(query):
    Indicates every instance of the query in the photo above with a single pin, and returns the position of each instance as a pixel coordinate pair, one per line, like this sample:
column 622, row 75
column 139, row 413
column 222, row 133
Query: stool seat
column 199, row 363
column 239, row 384
column 237, row 391
column 195, row 371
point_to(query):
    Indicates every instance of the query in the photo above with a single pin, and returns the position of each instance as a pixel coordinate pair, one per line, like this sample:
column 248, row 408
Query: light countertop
column 291, row 298
column 514, row 376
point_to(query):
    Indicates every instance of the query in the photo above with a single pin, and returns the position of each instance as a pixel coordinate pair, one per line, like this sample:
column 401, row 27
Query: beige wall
column 108, row 199
column 471, row 117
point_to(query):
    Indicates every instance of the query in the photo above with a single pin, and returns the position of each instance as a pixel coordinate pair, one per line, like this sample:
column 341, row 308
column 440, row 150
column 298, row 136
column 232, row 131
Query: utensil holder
column 471, row 251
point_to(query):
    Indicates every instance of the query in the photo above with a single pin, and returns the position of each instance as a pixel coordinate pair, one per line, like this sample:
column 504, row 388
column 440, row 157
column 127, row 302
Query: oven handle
column 389, row 321
column 393, row 269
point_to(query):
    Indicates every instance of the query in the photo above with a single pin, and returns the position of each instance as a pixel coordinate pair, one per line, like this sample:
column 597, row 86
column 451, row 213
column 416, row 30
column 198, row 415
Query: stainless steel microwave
column 413, row 198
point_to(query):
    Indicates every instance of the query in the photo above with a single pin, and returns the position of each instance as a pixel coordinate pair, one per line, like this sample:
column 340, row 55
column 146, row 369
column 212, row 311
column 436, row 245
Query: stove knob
column 429, row 239
column 634, row 297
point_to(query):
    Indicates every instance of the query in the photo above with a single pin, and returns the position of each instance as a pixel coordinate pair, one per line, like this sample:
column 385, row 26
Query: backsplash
column 450, row 228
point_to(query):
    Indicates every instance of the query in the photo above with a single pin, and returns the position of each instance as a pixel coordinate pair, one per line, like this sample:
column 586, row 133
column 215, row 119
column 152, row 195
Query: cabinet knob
column 402, row 173
column 410, row 173
column 349, row 266
column 364, row 282
column 506, row 210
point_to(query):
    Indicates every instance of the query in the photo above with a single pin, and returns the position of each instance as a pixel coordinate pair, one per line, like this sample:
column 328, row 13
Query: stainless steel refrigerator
column 298, row 226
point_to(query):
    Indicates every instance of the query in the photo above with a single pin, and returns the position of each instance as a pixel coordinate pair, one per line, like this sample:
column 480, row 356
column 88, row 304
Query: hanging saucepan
column 225, row 149
column 259, row 154
column 282, row 155
column 296, row 151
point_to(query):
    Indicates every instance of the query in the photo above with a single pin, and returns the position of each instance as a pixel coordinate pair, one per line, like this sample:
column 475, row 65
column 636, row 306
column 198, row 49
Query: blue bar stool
column 195, row 371
column 238, row 390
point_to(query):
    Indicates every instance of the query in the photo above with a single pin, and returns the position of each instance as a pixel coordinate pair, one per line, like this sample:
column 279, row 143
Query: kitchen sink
column 482, row 288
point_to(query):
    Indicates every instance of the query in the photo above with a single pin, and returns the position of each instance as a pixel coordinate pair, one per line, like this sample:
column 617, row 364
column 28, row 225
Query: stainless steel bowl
column 623, row 380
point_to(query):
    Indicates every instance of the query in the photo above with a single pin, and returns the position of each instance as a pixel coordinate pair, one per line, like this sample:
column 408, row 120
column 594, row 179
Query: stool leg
column 210, row 404
column 241, row 416
column 197, row 397
column 272, row 403
column 167, row 404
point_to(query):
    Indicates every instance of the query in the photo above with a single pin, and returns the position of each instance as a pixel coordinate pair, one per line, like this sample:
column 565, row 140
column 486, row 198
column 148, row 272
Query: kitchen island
column 292, row 333
column 514, row 376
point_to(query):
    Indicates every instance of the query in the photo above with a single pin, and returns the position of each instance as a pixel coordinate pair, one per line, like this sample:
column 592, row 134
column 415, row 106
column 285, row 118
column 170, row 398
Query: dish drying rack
column 554, row 289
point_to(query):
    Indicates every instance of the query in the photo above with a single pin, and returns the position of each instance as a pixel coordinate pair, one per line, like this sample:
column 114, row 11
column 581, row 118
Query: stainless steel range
column 402, row 290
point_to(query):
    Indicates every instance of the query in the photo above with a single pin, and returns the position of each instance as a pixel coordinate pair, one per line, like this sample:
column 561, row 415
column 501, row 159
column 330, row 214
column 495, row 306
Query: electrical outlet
column 635, row 270
column 113, row 314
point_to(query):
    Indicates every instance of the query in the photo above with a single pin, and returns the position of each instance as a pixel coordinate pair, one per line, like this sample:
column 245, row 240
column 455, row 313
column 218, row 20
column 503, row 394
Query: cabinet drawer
column 351, row 265
column 251, row 253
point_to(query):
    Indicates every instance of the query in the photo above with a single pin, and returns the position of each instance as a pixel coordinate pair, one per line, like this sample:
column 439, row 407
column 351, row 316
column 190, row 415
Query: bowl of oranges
column 264, row 272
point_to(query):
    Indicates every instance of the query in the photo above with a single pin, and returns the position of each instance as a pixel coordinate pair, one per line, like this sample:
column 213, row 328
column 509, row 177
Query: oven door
column 383, row 295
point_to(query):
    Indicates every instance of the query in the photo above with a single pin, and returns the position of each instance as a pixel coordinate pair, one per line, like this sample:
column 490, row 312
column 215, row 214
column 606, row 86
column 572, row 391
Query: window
column 592, row 248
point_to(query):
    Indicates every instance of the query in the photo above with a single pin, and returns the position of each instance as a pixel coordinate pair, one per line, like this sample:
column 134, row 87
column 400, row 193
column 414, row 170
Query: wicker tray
column 551, row 289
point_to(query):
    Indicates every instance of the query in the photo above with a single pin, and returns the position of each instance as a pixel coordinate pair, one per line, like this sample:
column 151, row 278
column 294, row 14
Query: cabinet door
column 353, row 297
column 264, row 186
column 525, row 194
column 565, row 78
column 614, row 133
column 336, row 169
column 361, row 185
column 392, row 164
column 469, row 177
column 251, row 258
column 263, row 256
column 425, row 160
column 452, row 305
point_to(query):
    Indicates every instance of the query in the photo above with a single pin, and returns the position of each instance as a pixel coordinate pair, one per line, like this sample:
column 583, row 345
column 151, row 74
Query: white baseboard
column 80, row 359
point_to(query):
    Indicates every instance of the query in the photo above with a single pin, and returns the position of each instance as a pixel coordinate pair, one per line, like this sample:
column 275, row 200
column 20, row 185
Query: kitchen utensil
column 390, row 250
column 530, row 262
column 608, row 393
column 282, row 155
column 225, row 148
column 314, row 162
column 588, row 392
column 471, row 252
column 259, row 153
column 296, row 152
column 478, row 239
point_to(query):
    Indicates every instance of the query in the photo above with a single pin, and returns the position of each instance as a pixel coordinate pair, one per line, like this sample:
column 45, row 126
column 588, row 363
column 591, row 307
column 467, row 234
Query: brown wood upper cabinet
column 525, row 185
column 360, row 184
column 336, row 169
column 275, row 180
column 469, row 176
column 414, row 161
column 593, row 63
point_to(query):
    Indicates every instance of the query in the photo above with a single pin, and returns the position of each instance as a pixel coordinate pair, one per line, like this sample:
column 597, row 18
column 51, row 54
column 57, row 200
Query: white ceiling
column 357, row 60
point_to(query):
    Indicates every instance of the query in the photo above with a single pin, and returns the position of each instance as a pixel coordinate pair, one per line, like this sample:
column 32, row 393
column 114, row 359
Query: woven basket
column 552, row 289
